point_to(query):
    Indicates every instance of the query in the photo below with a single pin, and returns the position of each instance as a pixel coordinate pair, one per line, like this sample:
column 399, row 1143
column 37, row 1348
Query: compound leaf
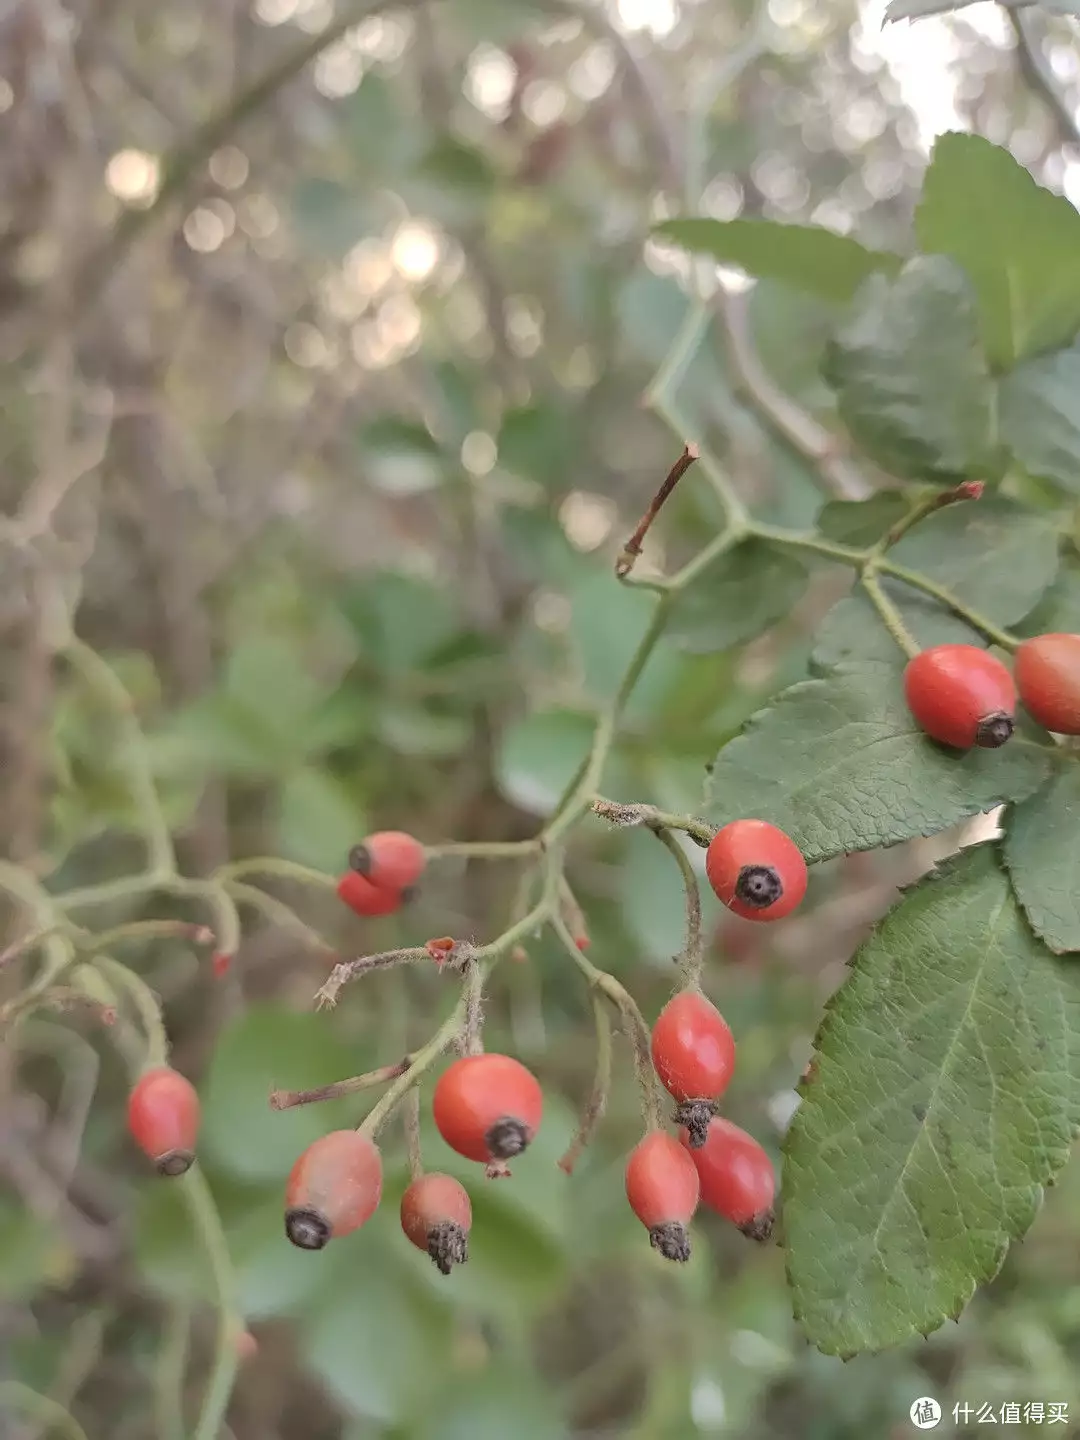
column 1042, row 851
column 943, row 1097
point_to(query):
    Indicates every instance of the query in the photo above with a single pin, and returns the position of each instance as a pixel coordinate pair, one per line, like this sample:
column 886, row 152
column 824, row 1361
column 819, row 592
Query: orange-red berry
column 163, row 1117
column 737, row 1177
column 390, row 859
column 756, row 870
column 436, row 1215
column 364, row 898
column 1048, row 678
column 961, row 696
column 662, row 1186
column 488, row 1107
column 334, row 1188
column 693, row 1053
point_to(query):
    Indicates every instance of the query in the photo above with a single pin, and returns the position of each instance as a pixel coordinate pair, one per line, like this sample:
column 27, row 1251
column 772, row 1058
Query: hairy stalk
column 145, row 1004
column 410, row 1117
column 692, row 956
column 890, row 616
column 207, row 1223
column 596, row 1104
column 289, row 1099
column 945, row 597
column 169, row 1372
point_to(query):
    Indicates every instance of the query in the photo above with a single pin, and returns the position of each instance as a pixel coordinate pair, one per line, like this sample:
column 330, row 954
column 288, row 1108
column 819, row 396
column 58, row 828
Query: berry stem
column 169, row 1372
column 289, row 1099
column 207, row 1224
column 50, row 1414
column 410, row 1119
column 627, row 815
column 596, row 1104
column 145, row 1004
column 945, row 597
column 275, row 865
column 632, row 549
column 276, row 912
column 635, row 1027
column 692, row 956
column 926, row 505
column 137, row 930
column 472, row 1024
column 890, row 616
column 347, row 970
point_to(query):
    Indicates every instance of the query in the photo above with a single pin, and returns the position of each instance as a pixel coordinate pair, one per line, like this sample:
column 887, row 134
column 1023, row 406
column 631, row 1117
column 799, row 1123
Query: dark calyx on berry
column 695, row 1115
column 760, row 1227
column 307, row 1229
column 671, row 1239
column 994, row 730
column 448, row 1245
column 506, row 1138
column 360, row 859
column 175, row 1162
column 759, row 885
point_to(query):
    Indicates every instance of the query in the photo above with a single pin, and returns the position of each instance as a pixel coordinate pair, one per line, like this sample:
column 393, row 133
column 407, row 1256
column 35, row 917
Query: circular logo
column 925, row 1413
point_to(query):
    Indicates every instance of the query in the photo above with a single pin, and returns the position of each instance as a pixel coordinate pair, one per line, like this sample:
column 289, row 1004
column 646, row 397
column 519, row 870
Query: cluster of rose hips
column 382, row 873
column 488, row 1107
column 963, row 696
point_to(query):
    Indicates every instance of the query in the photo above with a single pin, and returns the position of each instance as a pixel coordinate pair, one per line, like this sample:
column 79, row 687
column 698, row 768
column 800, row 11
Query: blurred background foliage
column 346, row 528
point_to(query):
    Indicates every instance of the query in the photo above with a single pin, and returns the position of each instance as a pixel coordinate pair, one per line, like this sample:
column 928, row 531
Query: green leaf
column 1017, row 242
column 1042, row 851
column 377, row 1342
column 537, row 756
column 273, row 1278
column 911, row 381
column 807, row 257
column 945, row 1093
column 1059, row 609
column 737, row 598
column 652, row 901
column 399, row 619
column 606, row 623
column 270, row 1048
column 536, row 442
column 863, row 522
column 318, row 819
column 840, row 765
column 504, row 1401
column 993, row 554
column 1040, row 416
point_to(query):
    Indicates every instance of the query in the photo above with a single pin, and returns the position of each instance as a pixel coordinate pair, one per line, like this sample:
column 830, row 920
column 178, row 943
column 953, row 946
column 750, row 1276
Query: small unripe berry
column 693, row 1053
column 1048, row 678
column 436, row 1215
column 364, row 898
column 487, row 1107
column 163, row 1117
column 737, row 1177
column 756, row 870
column 662, row 1186
column 390, row 859
column 334, row 1188
column 961, row 696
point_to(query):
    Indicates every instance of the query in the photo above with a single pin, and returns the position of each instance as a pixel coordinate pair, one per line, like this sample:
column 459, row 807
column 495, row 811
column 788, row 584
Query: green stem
column 49, row 1413
column 207, row 1223
column 170, row 1370
column 146, row 1007
column 890, row 616
column 274, row 865
column 637, row 1030
column 945, row 597
column 411, row 1123
column 596, row 1104
column 814, row 544
column 725, row 541
column 276, row 912
column 137, row 930
column 101, row 678
column 692, row 957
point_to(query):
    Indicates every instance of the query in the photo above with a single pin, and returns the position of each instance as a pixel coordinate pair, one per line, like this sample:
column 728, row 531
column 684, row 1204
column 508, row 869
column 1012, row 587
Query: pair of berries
column 486, row 1107
column 963, row 696
column 163, row 1118
column 731, row 1174
column 383, row 871
column 693, row 1053
column 756, row 870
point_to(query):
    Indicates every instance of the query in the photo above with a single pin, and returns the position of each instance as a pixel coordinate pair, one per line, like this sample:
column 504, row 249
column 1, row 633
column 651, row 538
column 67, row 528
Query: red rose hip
column 1048, row 678
column 961, row 696
column 693, row 1053
column 756, row 870
column 334, row 1188
column 436, row 1215
column 737, row 1177
column 390, row 859
column 662, row 1186
column 364, row 898
column 488, row 1108
column 163, row 1117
